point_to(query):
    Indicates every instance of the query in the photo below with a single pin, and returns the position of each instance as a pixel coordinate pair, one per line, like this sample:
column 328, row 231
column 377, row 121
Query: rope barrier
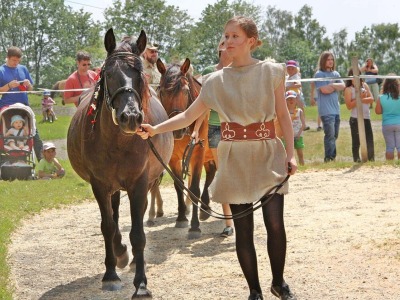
column 40, row 90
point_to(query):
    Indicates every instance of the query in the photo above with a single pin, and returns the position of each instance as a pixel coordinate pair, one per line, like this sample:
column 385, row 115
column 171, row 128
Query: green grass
column 20, row 199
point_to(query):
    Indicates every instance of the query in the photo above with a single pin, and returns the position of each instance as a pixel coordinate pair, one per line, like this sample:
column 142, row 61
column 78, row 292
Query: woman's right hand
column 146, row 131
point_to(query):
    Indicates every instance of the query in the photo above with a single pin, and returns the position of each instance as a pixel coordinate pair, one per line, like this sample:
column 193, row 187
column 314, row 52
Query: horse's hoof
column 182, row 224
column 151, row 223
column 194, row 234
column 114, row 285
column 142, row 292
column 204, row 215
column 159, row 214
column 123, row 260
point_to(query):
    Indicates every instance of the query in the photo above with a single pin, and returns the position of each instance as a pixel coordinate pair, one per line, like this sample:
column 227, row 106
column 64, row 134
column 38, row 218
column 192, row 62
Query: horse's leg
column 188, row 202
column 110, row 281
column 210, row 168
column 196, row 167
column 120, row 250
column 138, row 203
column 156, row 199
column 181, row 221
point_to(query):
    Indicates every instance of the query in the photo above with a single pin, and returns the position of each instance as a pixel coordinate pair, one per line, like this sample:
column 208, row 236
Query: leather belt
column 231, row 131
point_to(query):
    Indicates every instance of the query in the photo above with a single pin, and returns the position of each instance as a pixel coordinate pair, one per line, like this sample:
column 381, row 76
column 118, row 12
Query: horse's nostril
column 124, row 117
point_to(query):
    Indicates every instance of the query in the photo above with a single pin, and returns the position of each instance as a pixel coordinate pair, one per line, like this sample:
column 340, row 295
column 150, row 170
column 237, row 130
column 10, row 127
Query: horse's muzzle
column 130, row 121
column 180, row 134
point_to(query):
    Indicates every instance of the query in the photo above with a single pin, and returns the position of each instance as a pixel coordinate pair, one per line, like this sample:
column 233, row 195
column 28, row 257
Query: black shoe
column 228, row 231
column 282, row 292
column 307, row 128
column 319, row 128
column 254, row 295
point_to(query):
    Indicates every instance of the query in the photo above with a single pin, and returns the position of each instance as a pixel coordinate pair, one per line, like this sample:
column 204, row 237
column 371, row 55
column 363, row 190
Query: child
column 49, row 167
column 293, row 72
column 18, row 128
column 298, row 122
column 47, row 107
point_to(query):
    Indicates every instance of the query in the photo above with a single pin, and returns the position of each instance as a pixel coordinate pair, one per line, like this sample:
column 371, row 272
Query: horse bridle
column 124, row 89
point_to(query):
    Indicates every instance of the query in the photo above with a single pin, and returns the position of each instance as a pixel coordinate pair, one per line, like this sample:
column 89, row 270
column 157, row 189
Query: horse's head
column 125, row 89
column 175, row 90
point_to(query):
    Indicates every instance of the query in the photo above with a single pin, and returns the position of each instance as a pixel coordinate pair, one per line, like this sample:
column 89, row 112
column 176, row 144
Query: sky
column 334, row 15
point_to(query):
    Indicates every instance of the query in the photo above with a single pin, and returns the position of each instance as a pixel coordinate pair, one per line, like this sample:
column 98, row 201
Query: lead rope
column 258, row 204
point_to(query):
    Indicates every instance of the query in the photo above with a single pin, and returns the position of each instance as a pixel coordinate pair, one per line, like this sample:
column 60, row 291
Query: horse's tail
column 55, row 87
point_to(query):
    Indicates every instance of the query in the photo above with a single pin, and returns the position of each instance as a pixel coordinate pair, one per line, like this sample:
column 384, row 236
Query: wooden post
column 360, row 114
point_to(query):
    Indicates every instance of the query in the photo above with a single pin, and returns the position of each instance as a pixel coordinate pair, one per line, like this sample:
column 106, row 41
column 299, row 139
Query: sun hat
column 46, row 93
column 16, row 118
column 290, row 94
column 48, row 145
column 291, row 63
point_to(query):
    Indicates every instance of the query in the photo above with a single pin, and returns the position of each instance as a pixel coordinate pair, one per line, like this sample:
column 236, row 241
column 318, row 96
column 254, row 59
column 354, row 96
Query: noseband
column 124, row 89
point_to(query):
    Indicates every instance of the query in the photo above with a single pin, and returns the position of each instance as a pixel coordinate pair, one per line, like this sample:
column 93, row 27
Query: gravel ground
column 343, row 243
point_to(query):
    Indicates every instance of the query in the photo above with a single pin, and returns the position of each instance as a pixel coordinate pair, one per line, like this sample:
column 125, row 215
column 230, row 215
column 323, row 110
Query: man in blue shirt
column 16, row 78
column 328, row 102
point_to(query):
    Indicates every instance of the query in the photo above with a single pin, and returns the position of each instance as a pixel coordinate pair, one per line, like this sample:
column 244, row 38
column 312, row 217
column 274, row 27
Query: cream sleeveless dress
column 245, row 95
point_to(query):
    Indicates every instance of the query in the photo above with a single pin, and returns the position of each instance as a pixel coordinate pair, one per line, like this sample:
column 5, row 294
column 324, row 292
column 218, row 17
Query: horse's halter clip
column 124, row 89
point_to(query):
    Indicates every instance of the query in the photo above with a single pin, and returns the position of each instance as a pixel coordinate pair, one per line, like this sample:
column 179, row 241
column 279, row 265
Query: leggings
column 276, row 242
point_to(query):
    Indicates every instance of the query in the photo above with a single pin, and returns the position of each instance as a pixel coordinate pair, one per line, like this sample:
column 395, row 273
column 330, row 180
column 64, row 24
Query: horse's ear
column 160, row 66
column 109, row 41
column 186, row 65
column 141, row 42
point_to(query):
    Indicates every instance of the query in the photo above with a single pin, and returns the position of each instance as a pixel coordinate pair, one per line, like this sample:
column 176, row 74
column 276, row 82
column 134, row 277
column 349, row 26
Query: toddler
column 49, row 167
column 18, row 129
column 47, row 107
column 298, row 123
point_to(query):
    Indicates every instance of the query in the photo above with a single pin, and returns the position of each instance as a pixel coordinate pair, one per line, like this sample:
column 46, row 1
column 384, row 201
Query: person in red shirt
column 82, row 78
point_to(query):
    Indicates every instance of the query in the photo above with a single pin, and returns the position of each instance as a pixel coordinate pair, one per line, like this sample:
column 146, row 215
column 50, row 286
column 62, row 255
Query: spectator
column 298, row 123
column 293, row 73
column 247, row 95
column 49, row 166
column 313, row 102
column 15, row 77
column 17, row 129
column 351, row 104
column 47, row 107
column 370, row 68
column 328, row 102
column 82, row 78
column 149, row 59
column 214, row 128
column 388, row 105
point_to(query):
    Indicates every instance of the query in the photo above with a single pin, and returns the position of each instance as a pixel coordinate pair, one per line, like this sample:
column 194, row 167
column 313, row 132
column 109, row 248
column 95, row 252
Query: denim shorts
column 214, row 135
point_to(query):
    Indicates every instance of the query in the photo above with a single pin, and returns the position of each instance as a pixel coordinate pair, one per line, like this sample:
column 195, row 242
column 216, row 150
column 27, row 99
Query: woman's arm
column 350, row 104
column 367, row 97
column 181, row 120
column 285, row 122
column 378, row 107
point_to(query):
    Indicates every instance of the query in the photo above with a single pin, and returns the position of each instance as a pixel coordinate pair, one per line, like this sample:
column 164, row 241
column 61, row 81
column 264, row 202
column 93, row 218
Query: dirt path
column 343, row 243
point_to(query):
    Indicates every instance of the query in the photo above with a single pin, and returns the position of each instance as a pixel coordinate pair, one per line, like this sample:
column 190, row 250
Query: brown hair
column 249, row 28
column 14, row 51
column 391, row 87
column 322, row 61
column 350, row 82
column 82, row 55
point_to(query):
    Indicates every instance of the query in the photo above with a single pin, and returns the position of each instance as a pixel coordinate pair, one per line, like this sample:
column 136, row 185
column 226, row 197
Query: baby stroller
column 17, row 163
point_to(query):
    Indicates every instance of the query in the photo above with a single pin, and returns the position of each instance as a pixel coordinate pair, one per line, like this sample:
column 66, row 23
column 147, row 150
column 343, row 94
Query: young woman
column 247, row 95
column 388, row 105
column 351, row 104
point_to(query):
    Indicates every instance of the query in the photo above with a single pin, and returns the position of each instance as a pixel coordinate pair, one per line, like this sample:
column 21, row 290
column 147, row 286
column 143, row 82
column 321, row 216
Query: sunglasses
column 153, row 51
column 85, row 65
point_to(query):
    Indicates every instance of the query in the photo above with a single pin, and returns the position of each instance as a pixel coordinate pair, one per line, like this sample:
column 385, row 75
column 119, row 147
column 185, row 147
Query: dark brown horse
column 104, row 150
column 178, row 89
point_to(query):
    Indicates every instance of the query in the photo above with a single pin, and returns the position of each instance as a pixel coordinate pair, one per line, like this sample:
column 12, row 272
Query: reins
column 258, row 204
column 187, row 155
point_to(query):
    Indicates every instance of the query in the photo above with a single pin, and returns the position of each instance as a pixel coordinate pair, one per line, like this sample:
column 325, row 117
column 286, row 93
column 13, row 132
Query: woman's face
column 329, row 62
column 236, row 41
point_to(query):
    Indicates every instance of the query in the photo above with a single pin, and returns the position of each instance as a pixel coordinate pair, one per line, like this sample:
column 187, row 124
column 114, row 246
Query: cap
column 48, row 145
column 291, row 63
column 290, row 94
column 46, row 93
column 152, row 46
column 16, row 118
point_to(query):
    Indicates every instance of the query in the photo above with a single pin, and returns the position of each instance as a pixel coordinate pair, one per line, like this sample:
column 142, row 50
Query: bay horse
column 59, row 85
column 177, row 91
column 105, row 151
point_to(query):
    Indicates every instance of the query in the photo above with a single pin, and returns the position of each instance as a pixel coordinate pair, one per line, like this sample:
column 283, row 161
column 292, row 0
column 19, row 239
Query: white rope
column 41, row 91
column 344, row 78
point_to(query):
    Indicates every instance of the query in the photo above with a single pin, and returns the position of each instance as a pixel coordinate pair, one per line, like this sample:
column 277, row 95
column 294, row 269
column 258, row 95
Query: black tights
column 276, row 243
